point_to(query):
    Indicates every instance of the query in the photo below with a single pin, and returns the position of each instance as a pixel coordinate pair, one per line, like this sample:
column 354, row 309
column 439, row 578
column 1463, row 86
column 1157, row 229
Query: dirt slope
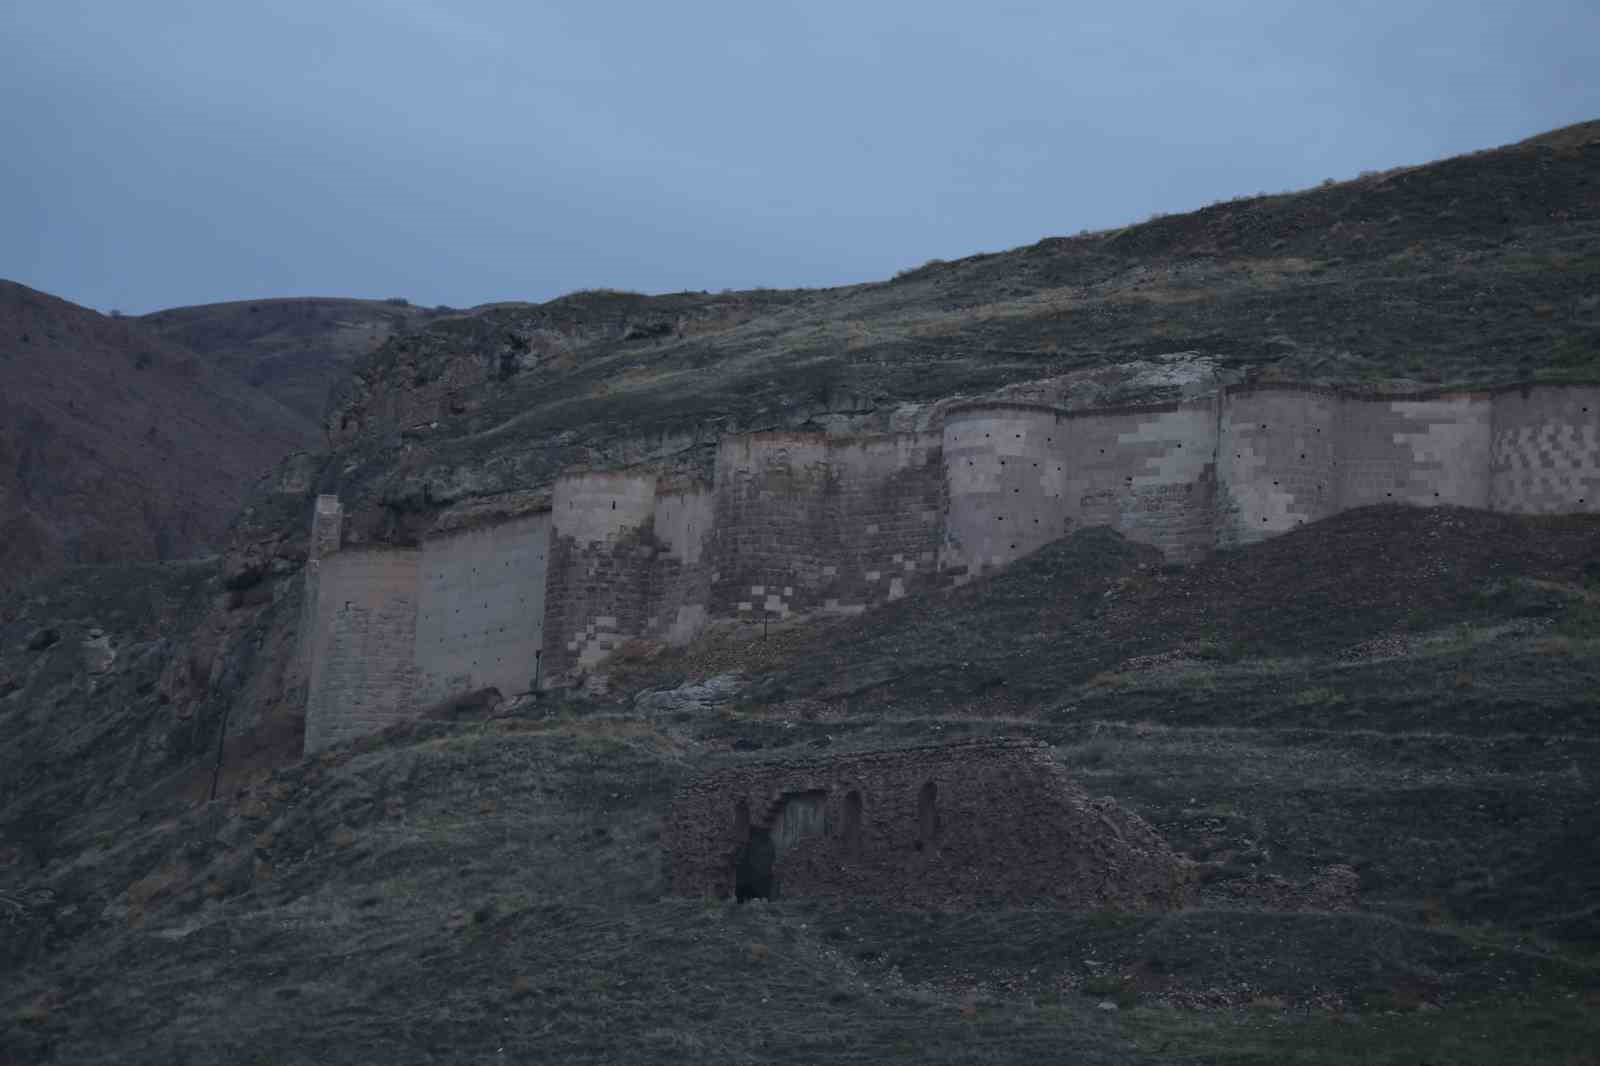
column 119, row 445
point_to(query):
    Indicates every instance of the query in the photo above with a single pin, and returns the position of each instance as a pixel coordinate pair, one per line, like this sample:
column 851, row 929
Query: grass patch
column 1562, row 1031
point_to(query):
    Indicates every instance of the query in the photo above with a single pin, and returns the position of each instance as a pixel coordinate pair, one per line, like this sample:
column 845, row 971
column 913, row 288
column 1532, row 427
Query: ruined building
column 797, row 524
column 988, row 821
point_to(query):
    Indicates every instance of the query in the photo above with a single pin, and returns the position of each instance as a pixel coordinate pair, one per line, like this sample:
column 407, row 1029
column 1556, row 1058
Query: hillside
column 1475, row 270
column 1371, row 741
column 494, row 885
column 294, row 350
column 116, row 444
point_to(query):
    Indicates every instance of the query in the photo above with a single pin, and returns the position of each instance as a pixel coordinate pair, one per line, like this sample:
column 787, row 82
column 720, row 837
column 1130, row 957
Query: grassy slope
column 1473, row 270
column 448, row 890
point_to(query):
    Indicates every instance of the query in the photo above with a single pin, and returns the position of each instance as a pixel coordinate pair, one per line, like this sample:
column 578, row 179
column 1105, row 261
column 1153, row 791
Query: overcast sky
column 172, row 152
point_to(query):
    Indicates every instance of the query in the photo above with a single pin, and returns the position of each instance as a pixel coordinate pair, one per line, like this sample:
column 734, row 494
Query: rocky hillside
column 294, row 350
column 1479, row 269
column 117, row 444
column 1373, row 738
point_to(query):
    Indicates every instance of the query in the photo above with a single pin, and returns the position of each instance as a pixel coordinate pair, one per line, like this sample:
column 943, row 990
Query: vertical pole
column 222, row 735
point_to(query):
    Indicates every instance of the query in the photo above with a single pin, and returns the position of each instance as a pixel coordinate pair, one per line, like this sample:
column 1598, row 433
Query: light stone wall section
column 598, row 508
column 1149, row 474
column 1277, row 461
column 683, row 525
column 480, row 619
column 1429, row 452
column 1545, row 452
column 1008, row 486
column 363, row 672
column 1021, row 477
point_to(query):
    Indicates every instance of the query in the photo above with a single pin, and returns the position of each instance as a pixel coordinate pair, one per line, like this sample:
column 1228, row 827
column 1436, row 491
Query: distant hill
column 292, row 349
column 117, row 444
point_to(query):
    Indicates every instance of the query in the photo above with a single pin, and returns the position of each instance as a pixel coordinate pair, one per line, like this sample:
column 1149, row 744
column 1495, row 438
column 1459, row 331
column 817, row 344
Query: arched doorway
column 753, row 870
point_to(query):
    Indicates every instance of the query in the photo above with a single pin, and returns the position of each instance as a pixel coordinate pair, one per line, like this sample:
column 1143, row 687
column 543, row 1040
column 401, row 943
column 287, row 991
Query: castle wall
column 803, row 523
column 680, row 594
column 362, row 673
column 1150, row 474
column 600, row 569
column 1021, row 477
column 1428, row 452
column 976, row 822
column 772, row 525
column 1277, row 462
column 481, row 609
column 1545, row 451
column 884, row 514
column 1007, row 483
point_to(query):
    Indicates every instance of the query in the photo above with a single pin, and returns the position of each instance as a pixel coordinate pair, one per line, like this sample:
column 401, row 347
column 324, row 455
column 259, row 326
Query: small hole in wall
column 1013, row 547
column 986, row 436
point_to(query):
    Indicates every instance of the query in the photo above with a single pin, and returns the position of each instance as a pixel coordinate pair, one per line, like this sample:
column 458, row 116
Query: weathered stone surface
column 689, row 699
column 992, row 821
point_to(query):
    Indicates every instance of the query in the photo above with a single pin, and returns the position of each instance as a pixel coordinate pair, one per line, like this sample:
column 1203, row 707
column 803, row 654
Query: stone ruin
column 958, row 824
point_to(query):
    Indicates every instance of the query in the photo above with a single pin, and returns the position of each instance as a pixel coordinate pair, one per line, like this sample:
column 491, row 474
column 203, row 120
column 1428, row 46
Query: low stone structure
column 960, row 824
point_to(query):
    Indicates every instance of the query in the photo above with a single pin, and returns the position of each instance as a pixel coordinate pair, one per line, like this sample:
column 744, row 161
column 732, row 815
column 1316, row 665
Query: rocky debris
column 694, row 698
column 98, row 654
column 1333, row 888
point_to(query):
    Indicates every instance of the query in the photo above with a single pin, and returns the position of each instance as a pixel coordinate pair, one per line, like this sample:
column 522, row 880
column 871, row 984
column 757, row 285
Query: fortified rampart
column 795, row 524
column 990, row 821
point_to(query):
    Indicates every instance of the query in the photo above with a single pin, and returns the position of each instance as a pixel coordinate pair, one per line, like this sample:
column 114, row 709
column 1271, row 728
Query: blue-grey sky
column 172, row 152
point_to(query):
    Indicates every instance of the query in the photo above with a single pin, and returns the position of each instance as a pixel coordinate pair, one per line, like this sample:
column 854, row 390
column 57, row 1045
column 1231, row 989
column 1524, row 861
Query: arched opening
column 753, row 872
column 850, row 831
column 927, row 814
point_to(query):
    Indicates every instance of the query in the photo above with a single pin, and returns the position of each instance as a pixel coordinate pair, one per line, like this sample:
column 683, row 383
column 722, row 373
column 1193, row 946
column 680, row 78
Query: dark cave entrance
column 753, row 872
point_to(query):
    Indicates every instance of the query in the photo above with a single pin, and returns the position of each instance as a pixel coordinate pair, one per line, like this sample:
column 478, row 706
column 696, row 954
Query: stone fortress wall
column 797, row 524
